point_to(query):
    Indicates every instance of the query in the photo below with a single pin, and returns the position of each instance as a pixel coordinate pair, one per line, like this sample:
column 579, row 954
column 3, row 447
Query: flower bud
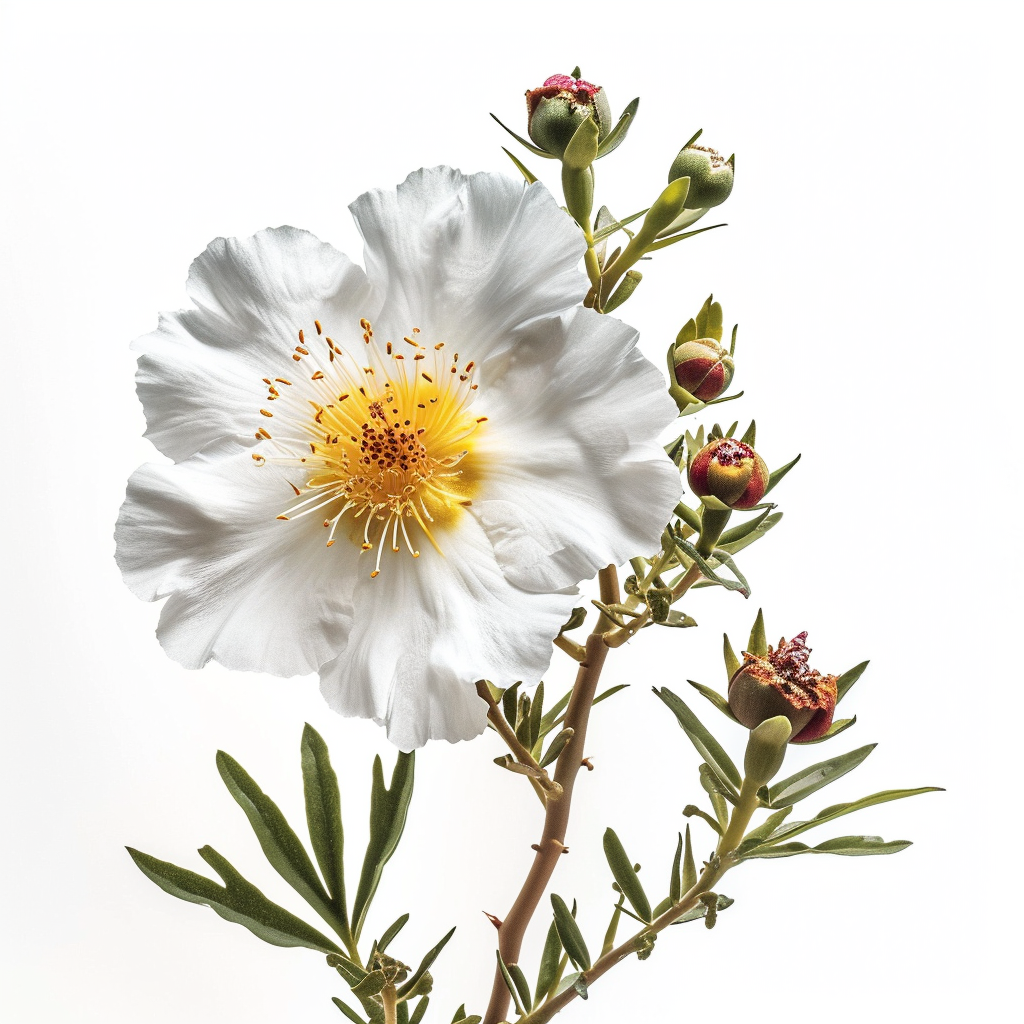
column 703, row 367
column 781, row 683
column 560, row 106
column 710, row 176
column 730, row 471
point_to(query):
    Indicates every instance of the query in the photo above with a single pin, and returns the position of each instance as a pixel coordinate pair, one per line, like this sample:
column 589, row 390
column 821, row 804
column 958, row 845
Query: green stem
column 739, row 819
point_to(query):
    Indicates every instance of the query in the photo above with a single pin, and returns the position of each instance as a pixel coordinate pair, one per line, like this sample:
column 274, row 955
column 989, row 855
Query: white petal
column 201, row 371
column 247, row 590
column 576, row 477
column 427, row 628
column 468, row 259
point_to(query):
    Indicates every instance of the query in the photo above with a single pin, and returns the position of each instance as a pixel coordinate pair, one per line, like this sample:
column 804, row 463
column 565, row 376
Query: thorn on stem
column 496, row 921
column 585, row 763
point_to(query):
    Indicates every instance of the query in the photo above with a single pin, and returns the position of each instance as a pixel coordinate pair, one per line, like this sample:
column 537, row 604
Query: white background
column 869, row 259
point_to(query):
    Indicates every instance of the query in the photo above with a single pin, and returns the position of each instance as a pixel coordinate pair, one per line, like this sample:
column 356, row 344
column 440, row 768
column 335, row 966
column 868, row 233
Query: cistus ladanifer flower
column 782, row 683
column 394, row 477
column 560, row 106
column 730, row 471
column 703, row 367
column 711, row 176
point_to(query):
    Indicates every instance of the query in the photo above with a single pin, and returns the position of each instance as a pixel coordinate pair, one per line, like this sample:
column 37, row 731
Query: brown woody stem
column 556, row 814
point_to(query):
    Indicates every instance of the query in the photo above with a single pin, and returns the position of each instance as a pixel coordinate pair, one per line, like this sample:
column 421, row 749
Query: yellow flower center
column 386, row 443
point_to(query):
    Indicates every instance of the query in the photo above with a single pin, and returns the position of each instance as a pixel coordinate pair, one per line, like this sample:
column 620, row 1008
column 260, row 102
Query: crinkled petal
column 246, row 589
column 468, row 258
column 428, row 628
column 575, row 475
column 201, row 371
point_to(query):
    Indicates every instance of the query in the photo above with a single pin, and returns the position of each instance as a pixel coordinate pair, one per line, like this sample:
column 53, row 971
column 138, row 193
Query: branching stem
column 556, row 815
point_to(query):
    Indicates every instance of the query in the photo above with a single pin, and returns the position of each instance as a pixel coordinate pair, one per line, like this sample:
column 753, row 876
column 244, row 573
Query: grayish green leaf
column 848, row 678
column 715, row 697
column 810, row 780
column 569, row 933
column 391, row 932
column 548, row 964
column 757, row 644
column 843, row 846
column 626, row 877
column 347, row 1010
column 707, row 746
column 409, row 987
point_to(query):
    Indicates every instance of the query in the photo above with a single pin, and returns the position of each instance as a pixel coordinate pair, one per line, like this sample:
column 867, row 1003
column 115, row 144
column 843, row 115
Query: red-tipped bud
column 781, row 683
column 703, row 367
column 730, row 471
column 560, row 106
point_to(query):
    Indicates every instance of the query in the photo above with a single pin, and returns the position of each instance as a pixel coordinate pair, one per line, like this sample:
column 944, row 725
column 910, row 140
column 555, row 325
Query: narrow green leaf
column 675, row 882
column 523, row 715
column 323, row 818
column 751, row 432
column 689, row 867
column 663, row 242
column 613, row 925
column 525, row 171
column 402, row 1013
column 536, row 715
column 627, row 878
column 388, row 811
column 556, row 747
column 580, row 984
column 510, row 704
column 845, row 682
column 810, row 780
column 509, row 983
column 734, row 546
column 552, row 716
column 775, row 477
column 715, row 697
column 279, row 843
column 741, row 531
column 549, row 958
column 610, row 692
column 460, row 1014
column 707, row 746
column 732, row 663
column 758, row 642
column 237, row 900
column 391, row 932
column 421, row 1009
column 569, row 933
column 692, row 809
column 839, row 810
column 706, row 569
column 351, row 972
column 522, row 142
column 409, row 986
column 758, row 835
column 702, row 318
column 689, row 516
column 348, row 1011
column 722, row 557
column 522, row 986
column 618, row 133
column 629, row 284
column 838, row 726
column 843, row 846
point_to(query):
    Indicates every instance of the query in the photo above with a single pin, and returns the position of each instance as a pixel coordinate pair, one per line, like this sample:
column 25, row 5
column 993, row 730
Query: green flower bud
column 560, row 106
column 710, row 176
column 766, row 750
column 781, row 683
column 703, row 367
column 730, row 471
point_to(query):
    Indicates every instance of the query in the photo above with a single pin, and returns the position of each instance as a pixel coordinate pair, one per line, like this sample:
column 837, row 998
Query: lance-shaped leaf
column 237, row 900
column 707, row 746
column 388, row 811
column 530, row 177
column 689, row 876
column 741, row 531
column 848, row 678
column 707, row 571
column 549, row 959
column 838, row 726
column 618, row 133
column 758, row 532
column 569, row 933
column 817, row 776
column 421, row 1009
column 732, row 663
column 280, row 844
column 626, row 877
column 522, row 142
column 323, row 818
column 776, row 476
column 391, row 932
column 408, row 988
column 842, row 846
column 347, row 1010
column 839, row 810
column 663, row 242
column 515, row 982
column 557, row 744
column 757, row 644
column 605, row 230
column 351, row 972
column 715, row 697
column 758, row 835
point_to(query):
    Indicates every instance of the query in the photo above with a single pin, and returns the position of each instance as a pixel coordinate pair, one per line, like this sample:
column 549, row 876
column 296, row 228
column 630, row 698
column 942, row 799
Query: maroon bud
column 781, row 683
column 703, row 367
column 730, row 471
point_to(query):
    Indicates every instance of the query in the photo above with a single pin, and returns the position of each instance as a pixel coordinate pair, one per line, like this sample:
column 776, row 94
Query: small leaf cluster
column 241, row 902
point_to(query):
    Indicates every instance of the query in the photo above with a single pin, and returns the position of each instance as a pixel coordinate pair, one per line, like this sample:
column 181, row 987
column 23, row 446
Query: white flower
column 395, row 478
